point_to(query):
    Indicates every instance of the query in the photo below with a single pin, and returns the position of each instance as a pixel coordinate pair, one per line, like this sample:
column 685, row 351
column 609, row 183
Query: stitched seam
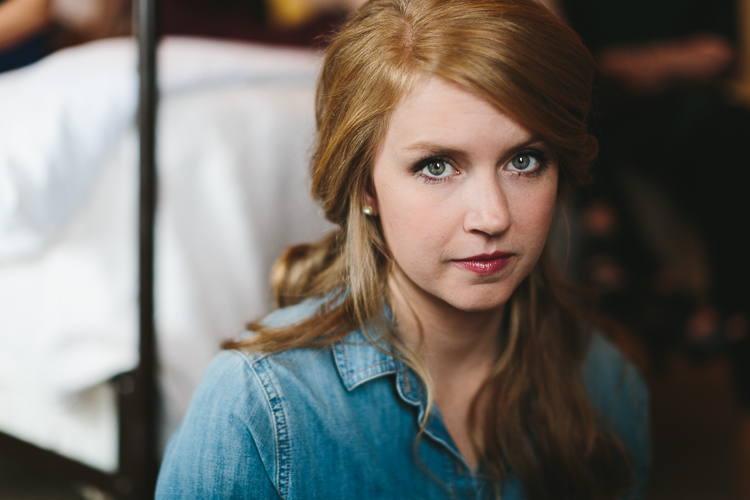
column 255, row 444
column 250, row 366
column 388, row 371
column 386, row 364
column 402, row 390
column 349, row 378
column 251, row 359
column 340, row 355
column 282, row 433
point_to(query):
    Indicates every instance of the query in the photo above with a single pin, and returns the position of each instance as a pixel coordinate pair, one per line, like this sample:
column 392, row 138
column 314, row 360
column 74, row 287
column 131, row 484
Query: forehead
column 437, row 111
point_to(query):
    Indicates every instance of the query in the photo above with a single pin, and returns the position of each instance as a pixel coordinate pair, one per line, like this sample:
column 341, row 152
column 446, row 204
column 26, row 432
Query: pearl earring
column 368, row 210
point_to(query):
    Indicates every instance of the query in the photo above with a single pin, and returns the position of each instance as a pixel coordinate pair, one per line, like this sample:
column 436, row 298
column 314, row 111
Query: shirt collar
column 358, row 359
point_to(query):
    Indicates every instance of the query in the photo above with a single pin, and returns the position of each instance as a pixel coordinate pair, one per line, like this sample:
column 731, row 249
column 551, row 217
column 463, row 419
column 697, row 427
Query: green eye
column 436, row 167
column 522, row 162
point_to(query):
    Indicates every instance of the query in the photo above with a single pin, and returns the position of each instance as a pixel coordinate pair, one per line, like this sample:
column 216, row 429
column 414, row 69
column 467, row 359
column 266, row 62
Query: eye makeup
column 435, row 169
column 440, row 168
column 539, row 158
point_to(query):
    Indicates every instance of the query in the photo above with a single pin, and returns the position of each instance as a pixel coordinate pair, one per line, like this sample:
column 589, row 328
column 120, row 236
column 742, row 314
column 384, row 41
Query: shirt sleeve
column 213, row 454
column 618, row 392
column 638, row 441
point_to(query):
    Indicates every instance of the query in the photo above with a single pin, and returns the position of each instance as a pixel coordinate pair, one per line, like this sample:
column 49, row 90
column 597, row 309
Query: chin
column 478, row 301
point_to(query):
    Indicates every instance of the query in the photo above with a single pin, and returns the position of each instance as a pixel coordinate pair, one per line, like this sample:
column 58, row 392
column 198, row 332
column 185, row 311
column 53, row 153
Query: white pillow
column 58, row 119
column 61, row 116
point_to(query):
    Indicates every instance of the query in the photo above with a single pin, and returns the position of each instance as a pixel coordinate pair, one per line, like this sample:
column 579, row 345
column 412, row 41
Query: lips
column 485, row 264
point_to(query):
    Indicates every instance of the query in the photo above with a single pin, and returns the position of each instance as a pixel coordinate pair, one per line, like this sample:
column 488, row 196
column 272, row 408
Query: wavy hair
column 521, row 58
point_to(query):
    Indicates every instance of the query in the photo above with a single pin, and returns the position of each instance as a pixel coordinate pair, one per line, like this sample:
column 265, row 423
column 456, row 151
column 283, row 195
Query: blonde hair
column 521, row 58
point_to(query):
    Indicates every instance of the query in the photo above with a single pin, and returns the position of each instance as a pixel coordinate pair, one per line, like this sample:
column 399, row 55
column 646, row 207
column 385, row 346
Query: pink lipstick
column 485, row 264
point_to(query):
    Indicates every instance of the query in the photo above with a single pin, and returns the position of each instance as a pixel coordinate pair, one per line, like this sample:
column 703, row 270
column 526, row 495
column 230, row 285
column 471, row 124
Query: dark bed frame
column 137, row 390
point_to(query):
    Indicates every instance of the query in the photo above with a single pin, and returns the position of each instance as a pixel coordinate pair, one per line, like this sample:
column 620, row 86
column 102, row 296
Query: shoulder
column 292, row 371
column 214, row 453
column 236, row 433
column 613, row 383
column 294, row 314
column 618, row 392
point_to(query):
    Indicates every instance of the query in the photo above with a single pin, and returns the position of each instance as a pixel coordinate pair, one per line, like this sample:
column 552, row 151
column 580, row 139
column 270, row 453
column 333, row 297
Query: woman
column 425, row 350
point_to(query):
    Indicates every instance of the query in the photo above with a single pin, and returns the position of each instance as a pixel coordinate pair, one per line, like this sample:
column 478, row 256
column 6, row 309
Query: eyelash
column 422, row 164
column 540, row 156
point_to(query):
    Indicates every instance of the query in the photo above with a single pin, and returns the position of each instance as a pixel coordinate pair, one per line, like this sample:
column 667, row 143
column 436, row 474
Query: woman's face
column 465, row 196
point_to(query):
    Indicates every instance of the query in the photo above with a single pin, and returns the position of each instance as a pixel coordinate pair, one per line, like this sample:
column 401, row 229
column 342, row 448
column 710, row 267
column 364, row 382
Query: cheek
column 412, row 223
column 534, row 212
column 541, row 208
column 417, row 227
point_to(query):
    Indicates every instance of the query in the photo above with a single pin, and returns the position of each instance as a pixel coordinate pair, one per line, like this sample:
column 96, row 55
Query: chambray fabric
column 341, row 423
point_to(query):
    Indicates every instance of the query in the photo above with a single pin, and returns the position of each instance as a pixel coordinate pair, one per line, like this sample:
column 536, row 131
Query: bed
column 234, row 133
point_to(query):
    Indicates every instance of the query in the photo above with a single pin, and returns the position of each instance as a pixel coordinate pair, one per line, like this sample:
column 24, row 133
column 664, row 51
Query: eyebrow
column 441, row 149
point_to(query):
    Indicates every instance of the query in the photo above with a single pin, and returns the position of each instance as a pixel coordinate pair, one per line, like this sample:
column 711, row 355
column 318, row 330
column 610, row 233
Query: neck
column 454, row 344
column 459, row 349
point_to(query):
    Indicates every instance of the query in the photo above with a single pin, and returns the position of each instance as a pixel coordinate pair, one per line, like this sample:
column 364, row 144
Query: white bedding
column 234, row 136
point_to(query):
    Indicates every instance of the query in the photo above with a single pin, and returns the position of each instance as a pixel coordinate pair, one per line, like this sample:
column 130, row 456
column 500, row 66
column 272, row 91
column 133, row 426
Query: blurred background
column 661, row 234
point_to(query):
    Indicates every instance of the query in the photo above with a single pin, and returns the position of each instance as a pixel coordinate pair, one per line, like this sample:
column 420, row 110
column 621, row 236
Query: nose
column 488, row 210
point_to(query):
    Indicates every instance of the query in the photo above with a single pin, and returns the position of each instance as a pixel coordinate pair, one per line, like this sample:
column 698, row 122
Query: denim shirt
column 341, row 423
